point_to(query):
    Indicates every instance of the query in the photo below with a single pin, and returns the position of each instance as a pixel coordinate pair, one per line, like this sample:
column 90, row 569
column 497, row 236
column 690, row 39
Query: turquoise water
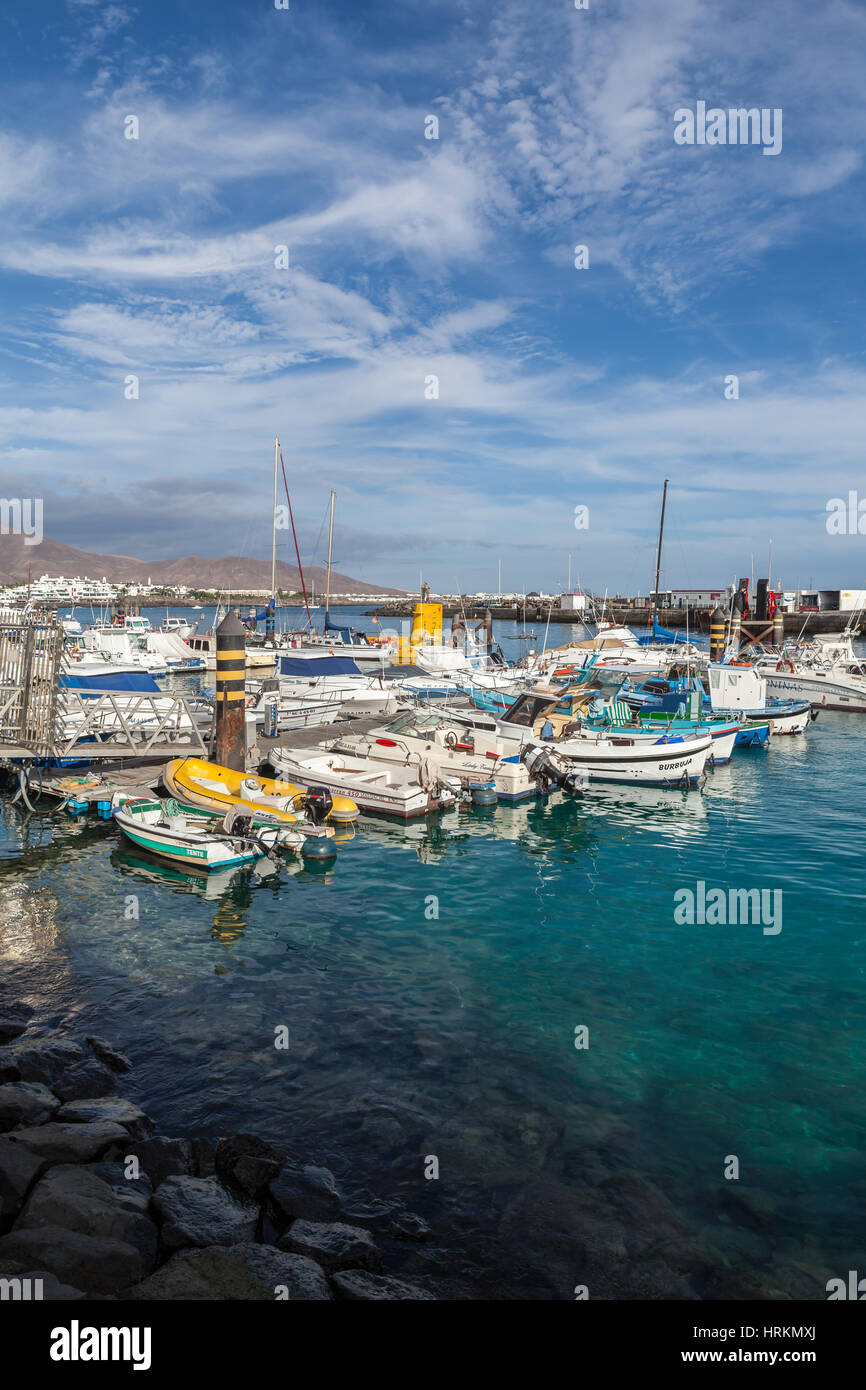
column 414, row 1035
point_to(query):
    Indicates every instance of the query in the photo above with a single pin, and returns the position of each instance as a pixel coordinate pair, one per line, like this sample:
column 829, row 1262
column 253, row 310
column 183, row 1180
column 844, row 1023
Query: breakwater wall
column 637, row 618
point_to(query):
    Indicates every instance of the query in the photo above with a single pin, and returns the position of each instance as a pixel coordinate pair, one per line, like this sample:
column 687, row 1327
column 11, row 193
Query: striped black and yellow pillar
column 230, row 748
column 717, row 634
column 779, row 625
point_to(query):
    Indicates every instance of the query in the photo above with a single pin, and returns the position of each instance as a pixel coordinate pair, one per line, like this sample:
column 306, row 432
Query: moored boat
column 375, row 786
column 209, row 785
column 187, row 836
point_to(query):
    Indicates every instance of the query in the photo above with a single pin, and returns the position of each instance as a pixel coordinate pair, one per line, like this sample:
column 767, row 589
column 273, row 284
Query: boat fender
column 484, row 796
column 319, row 848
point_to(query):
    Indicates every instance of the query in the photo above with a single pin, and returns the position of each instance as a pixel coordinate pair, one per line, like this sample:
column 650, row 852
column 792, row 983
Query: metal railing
column 40, row 719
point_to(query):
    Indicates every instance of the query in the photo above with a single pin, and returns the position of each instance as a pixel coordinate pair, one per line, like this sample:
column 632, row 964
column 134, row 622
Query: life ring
column 785, row 666
column 251, row 700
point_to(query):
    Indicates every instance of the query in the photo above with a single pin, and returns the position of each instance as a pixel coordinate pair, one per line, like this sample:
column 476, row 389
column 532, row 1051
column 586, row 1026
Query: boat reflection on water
column 559, row 824
column 231, row 889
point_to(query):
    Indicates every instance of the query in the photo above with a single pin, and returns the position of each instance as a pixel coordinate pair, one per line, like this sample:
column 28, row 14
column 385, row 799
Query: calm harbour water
column 414, row 1035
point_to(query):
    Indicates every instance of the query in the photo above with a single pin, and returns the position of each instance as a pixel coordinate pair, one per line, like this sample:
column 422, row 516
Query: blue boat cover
column 138, row 682
column 318, row 666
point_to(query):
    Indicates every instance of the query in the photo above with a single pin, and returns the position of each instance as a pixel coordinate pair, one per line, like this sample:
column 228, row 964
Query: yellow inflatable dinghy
column 216, row 788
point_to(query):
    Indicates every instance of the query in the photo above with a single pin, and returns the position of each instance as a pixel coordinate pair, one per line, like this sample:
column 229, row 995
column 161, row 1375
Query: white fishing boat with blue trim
column 194, row 838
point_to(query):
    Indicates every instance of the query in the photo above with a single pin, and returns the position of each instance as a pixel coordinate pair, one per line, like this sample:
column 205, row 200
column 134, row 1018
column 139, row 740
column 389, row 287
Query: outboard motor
column 319, row 803
column 549, row 767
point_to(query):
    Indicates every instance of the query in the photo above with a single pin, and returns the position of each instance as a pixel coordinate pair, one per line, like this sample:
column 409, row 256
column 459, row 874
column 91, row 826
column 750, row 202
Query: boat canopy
column 138, row 682
column 313, row 666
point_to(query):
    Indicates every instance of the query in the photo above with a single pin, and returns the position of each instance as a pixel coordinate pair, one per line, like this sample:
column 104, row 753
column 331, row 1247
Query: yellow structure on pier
column 426, row 631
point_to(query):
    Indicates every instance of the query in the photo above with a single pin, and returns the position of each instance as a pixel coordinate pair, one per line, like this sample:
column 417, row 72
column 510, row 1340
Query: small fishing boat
column 385, row 788
column 216, row 788
column 554, row 722
column 186, row 836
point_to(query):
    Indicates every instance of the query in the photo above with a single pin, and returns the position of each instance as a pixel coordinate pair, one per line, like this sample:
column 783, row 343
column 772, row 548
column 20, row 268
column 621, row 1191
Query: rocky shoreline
column 97, row 1205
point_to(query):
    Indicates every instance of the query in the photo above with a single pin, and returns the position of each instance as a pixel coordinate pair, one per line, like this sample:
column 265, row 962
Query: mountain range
column 227, row 573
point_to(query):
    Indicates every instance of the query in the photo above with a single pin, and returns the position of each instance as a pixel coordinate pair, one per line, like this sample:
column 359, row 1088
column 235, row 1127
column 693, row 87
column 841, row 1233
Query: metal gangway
column 41, row 718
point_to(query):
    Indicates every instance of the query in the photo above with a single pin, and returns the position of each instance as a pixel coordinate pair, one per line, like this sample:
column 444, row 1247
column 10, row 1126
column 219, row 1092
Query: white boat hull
column 822, row 692
column 388, row 790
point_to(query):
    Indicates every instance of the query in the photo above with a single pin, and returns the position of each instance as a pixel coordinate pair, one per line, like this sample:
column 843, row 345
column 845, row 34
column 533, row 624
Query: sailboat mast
column 330, row 550
column 274, row 543
column 659, row 551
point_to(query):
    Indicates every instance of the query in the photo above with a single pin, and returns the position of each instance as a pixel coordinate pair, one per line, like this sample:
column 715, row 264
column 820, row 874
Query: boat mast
column 330, row 549
column 659, row 551
column 274, row 543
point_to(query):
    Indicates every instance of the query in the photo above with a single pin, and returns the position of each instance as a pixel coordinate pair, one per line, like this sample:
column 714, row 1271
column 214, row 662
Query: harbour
column 432, row 679
column 384, row 919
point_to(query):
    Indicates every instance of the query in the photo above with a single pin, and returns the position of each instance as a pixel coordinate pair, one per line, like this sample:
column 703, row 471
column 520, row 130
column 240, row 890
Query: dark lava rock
column 114, row 1060
column 78, row 1199
column 158, row 1157
column 247, row 1163
column 25, row 1103
column 84, row 1080
column 69, row 1069
column 199, row 1211
column 405, row 1225
column 57, row 1143
column 305, row 1192
column 332, row 1245
column 41, row 1061
column 95, row 1264
column 247, row 1271
column 19, row 1168
column 204, row 1157
column 115, row 1175
column 14, row 1018
column 109, row 1108
column 359, row 1284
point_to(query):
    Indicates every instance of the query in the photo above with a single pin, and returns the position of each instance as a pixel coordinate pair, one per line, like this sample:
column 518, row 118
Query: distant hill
column 227, row 572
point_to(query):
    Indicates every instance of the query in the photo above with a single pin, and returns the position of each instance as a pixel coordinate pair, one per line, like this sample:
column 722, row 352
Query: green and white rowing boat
column 196, row 838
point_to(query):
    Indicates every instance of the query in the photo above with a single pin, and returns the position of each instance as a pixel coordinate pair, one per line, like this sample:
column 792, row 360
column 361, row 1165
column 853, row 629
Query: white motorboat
column 552, row 722
column 439, row 745
column 336, row 680
column 387, row 788
column 826, row 671
column 180, row 627
column 125, row 645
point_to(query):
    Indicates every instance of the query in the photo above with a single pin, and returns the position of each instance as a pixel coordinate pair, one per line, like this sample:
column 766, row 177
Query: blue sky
column 452, row 257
